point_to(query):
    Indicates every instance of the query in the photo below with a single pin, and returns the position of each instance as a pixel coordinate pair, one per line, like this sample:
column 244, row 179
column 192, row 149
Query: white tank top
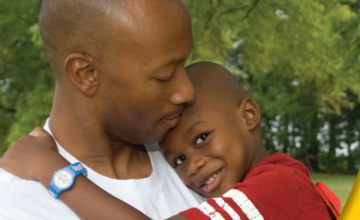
column 160, row 195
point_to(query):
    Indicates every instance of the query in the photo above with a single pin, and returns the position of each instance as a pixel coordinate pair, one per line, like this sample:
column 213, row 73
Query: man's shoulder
column 26, row 199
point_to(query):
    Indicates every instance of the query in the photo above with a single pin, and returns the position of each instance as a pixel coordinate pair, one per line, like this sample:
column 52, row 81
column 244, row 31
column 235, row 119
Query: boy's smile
column 211, row 180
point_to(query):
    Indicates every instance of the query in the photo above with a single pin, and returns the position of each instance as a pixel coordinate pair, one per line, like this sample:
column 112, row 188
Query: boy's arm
column 35, row 157
column 91, row 202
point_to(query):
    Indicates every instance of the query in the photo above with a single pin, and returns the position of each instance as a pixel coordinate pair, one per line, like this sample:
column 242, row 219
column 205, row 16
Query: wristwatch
column 63, row 179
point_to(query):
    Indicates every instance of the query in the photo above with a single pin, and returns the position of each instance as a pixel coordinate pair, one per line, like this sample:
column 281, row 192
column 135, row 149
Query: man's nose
column 184, row 92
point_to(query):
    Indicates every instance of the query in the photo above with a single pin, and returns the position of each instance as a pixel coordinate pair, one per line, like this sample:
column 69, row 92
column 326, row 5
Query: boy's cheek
column 186, row 180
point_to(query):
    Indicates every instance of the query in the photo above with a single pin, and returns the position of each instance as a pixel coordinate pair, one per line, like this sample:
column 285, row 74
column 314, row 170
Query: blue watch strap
column 79, row 168
column 63, row 179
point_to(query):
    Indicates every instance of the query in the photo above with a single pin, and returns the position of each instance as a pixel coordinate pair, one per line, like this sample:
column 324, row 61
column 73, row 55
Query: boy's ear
column 250, row 114
column 82, row 74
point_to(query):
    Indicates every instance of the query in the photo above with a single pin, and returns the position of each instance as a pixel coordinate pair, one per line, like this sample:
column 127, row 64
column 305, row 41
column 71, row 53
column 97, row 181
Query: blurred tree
column 25, row 79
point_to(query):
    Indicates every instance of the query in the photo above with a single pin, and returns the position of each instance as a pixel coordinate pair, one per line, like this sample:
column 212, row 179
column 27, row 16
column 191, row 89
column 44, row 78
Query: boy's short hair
column 215, row 81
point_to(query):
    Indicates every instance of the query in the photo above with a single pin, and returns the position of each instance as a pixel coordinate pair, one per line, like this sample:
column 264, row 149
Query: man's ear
column 80, row 70
column 250, row 114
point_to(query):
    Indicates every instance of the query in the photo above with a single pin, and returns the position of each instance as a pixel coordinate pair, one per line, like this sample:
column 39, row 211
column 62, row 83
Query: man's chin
column 156, row 137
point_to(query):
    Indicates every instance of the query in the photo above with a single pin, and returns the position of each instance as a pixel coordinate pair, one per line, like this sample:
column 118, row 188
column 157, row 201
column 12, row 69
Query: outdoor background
column 300, row 60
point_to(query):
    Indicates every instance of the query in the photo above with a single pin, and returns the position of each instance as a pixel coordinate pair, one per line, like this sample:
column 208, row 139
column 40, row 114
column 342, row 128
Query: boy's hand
column 34, row 156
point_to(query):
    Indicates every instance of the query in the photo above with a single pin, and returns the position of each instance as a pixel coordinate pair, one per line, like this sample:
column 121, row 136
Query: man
column 120, row 84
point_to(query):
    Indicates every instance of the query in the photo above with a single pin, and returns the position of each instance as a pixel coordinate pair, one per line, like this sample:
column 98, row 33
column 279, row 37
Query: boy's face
column 209, row 148
column 145, row 85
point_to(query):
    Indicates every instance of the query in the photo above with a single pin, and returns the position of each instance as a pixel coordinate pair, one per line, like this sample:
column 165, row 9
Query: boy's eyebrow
column 189, row 131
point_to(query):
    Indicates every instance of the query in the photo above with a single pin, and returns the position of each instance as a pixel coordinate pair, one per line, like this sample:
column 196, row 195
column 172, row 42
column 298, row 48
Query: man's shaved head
column 69, row 26
column 84, row 26
column 214, row 82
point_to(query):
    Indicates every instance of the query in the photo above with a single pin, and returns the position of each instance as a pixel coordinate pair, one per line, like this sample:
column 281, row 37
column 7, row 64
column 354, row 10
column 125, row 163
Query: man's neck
column 87, row 142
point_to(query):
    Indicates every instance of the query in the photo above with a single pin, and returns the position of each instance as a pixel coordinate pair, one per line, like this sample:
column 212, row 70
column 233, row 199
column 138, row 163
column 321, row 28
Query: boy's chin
column 215, row 193
column 218, row 192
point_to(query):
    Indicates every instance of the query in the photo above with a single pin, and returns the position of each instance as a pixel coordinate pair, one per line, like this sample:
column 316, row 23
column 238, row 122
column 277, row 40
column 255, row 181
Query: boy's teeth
column 211, row 179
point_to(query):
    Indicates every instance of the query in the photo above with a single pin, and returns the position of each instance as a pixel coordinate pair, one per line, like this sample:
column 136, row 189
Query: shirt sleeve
column 268, row 192
column 232, row 205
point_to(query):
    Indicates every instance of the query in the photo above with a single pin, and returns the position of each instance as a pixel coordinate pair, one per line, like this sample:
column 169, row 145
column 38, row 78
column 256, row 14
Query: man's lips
column 172, row 119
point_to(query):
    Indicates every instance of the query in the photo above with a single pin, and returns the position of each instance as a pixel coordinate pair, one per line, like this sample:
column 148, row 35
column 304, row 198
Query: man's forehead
column 145, row 15
column 158, row 40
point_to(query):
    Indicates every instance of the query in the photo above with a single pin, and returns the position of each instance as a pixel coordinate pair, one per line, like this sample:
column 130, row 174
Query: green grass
column 340, row 184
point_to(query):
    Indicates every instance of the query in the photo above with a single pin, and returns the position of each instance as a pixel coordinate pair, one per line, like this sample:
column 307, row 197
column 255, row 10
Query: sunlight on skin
column 351, row 209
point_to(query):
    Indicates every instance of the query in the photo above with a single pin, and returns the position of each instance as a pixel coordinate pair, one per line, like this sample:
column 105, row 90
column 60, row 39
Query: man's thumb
column 38, row 132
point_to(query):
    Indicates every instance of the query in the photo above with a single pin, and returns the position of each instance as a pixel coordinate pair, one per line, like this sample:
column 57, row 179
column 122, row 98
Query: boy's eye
column 201, row 138
column 179, row 160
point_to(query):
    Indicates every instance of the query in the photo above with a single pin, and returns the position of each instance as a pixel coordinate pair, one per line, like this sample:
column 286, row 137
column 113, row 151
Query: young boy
column 217, row 150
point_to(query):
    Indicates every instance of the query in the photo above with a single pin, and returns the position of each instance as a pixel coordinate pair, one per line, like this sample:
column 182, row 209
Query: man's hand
column 34, row 156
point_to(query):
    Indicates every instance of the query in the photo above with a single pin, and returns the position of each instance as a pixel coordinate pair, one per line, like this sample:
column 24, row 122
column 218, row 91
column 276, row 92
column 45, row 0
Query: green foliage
column 303, row 40
column 25, row 78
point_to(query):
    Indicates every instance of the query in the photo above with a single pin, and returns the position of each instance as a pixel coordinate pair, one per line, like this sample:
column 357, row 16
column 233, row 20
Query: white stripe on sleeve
column 208, row 210
column 227, row 208
column 244, row 204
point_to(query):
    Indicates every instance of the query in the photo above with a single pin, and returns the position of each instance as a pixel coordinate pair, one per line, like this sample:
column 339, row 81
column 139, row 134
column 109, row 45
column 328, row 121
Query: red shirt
column 278, row 187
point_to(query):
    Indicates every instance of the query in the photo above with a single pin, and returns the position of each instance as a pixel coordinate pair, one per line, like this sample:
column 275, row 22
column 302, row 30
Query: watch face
column 62, row 179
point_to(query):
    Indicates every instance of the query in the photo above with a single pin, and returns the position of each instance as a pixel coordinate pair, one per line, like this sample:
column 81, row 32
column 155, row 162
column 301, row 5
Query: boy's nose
column 194, row 167
column 184, row 92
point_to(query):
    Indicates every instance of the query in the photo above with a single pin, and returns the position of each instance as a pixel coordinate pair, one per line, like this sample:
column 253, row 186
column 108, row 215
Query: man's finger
column 38, row 132
column 2, row 163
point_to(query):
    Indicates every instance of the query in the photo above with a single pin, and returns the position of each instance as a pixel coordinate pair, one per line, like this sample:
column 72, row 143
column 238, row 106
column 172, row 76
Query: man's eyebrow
column 191, row 129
